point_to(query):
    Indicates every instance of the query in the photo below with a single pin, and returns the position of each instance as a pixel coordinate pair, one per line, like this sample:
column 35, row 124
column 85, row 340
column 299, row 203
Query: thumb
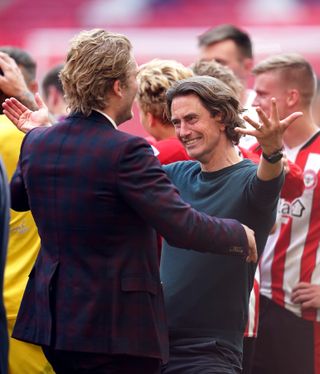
column 292, row 117
column 39, row 101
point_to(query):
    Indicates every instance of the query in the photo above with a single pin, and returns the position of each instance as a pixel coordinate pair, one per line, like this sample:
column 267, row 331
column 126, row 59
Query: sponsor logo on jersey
column 294, row 209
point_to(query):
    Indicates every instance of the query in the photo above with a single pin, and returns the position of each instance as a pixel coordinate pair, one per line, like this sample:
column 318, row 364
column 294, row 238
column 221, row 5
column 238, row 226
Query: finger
column 39, row 101
column 243, row 131
column 302, row 296
column 253, row 123
column 17, row 105
column 263, row 117
column 3, row 61
column 274, row 110
column 5, row 57
column 253, row 254
column 11, row 108
column 291, row 118
column 299, row 299
column 3, row 79
column 252, row 258
column 308, row 304
column 300, row 285
column 7, row 61
column 11, row 117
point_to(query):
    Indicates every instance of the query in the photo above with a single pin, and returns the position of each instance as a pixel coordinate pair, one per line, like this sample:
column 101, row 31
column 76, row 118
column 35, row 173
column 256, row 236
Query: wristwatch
column 274, row 157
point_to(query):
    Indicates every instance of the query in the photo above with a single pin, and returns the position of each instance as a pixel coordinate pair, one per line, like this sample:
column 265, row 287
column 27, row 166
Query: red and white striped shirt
column 292, row 188
column 251, row 330
column 292, row 252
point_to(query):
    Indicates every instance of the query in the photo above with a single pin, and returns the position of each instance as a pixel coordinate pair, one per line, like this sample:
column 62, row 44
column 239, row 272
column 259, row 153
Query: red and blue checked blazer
column 4, row 231
column 98, row 196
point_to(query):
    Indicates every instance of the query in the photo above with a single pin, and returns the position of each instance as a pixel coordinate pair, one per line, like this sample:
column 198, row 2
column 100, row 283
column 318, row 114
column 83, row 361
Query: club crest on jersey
column 310, row 179
column 311, row 170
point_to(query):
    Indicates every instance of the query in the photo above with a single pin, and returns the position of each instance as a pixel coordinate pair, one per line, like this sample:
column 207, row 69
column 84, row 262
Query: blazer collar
column 108, row 117
column 93, row 117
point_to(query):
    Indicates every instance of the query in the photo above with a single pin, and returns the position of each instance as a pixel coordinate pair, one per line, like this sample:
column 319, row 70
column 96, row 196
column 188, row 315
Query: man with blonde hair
column 94, row 298
column 289, row 327
column 154, row 79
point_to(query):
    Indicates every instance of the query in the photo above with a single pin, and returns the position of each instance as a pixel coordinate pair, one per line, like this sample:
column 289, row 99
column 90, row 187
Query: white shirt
column 108, row 117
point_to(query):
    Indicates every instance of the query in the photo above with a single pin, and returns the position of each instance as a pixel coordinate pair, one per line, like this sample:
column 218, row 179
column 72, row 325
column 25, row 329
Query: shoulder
column 313, row 144
column 133, row 142
column 36, row 134
column 247, row 166
column 181, row 168
column 171, row 150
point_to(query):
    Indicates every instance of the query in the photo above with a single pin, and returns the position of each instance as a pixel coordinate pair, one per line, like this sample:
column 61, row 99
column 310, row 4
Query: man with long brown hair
column 206, row 297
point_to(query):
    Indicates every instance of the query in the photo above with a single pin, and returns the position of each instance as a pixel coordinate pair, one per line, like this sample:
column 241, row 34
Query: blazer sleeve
column 4, row 232
column 147, row 189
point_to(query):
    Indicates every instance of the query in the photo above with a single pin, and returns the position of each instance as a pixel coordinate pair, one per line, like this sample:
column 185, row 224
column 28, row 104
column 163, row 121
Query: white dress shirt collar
column 108, row 117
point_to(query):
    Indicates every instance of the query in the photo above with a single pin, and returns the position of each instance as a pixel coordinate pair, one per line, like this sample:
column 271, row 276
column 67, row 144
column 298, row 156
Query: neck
column 300, row 131
column 163, row 132
column 110, row 113
column 221, row 159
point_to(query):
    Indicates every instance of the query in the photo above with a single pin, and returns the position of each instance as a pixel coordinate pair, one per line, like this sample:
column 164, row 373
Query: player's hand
column 23, row 118
column 306, row 294
column 252, row 246
column 269, row 131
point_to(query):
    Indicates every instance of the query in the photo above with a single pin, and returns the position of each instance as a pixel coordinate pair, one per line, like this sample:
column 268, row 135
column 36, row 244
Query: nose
column 256, row 101
column 184, row 130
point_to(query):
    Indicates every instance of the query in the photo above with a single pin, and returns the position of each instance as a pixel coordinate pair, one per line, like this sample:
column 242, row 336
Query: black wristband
column 274, row 157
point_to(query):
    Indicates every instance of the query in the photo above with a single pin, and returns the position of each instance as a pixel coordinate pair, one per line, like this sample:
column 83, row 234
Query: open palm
column 23, row 118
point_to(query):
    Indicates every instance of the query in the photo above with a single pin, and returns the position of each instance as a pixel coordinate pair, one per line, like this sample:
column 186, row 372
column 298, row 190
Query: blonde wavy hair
column 154, row 79
column 214, row 69
column 96, row 59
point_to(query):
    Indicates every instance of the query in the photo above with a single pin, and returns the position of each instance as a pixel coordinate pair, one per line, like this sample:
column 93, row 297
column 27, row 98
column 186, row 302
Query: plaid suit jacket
column 4, row 231
column 98, row 196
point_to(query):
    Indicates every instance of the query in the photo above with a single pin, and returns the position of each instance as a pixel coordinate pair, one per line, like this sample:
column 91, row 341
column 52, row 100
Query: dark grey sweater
column 207, row 295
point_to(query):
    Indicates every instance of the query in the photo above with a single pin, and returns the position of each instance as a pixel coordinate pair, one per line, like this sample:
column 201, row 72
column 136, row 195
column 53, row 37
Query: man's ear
column 221, row 125
column 248, row 64
column 150, row 119
column 54, row 95
column 117, row 89
column 33, row 86
column 293, row 97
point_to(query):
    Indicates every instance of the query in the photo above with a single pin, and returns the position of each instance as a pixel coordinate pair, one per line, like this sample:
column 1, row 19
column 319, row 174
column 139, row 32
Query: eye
column 222, row 62
column 262, row 94
column 192, row 119
column 175, row 123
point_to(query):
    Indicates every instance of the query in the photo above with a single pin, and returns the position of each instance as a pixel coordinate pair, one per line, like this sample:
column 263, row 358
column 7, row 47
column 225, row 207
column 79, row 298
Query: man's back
column 77, row 204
